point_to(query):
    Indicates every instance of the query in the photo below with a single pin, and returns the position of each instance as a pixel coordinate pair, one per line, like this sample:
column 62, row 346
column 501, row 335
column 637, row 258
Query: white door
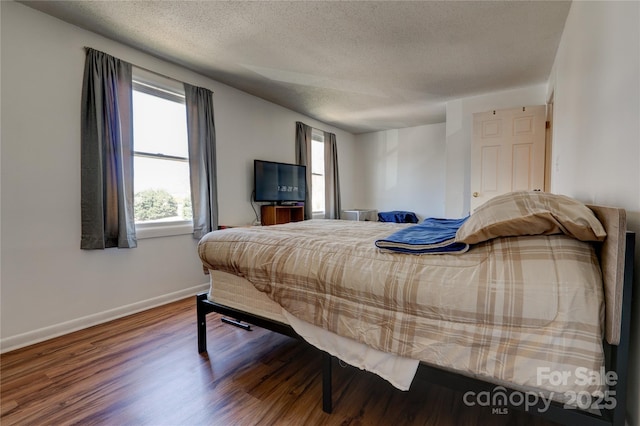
column 507, row 152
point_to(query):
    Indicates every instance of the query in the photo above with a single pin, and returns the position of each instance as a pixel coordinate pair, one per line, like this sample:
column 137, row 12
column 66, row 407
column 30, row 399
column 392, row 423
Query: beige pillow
column 531, row 213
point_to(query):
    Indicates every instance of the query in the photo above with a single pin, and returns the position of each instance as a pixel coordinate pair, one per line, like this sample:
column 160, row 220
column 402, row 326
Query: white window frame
column 156, row 85
column 318, row 136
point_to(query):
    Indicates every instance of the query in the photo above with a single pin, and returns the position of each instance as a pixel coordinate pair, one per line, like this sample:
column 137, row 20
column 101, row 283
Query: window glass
column 317, row 157
column 159, row 126
column 167, row 180
column 317, row 196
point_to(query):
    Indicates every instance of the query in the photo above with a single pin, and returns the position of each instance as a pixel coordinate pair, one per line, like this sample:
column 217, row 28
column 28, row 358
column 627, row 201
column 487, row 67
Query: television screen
column 279, row 182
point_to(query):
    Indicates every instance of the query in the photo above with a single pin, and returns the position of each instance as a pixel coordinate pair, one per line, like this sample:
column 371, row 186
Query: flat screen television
column 279, row 182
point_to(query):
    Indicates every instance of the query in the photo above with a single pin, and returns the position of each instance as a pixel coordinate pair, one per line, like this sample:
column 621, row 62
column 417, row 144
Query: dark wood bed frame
column 617, row 359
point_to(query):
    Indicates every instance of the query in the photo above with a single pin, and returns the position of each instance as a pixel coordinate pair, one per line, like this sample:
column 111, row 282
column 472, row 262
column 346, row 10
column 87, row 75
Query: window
column 317, row 173
column 162, row 193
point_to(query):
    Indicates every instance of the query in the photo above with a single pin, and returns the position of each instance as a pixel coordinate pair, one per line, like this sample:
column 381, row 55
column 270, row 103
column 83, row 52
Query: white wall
column 460, row 132
column 596, row 137
column 402, row 169
column 48, row 285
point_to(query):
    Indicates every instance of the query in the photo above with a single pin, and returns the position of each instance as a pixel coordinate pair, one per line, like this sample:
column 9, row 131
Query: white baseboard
column 29, row 338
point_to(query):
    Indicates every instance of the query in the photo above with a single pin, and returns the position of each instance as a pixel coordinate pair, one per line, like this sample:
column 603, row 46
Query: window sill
column 155, row 230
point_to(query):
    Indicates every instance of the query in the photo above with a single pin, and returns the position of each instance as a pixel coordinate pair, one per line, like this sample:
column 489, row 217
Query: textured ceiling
column 360, row 66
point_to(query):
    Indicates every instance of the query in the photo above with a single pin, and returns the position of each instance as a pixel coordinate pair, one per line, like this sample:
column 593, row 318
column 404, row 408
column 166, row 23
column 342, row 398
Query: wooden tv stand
column 276, row 215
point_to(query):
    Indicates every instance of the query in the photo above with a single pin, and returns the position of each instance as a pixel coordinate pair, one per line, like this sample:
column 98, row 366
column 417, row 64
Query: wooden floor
column 145, row 370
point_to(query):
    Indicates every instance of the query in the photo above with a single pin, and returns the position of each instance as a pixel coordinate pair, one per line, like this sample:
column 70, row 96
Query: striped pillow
column 531, row 213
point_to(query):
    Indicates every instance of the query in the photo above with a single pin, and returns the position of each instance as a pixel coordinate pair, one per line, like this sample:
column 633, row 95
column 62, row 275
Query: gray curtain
column 106, row 153
column 331, row 179
column 303, row 157
column 202, row 159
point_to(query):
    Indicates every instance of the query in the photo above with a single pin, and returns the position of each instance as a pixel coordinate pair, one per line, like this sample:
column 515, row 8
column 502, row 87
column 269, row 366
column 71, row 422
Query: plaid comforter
column 500, row 311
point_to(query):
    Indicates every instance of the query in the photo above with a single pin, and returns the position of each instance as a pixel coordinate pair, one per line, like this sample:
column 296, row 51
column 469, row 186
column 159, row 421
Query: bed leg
column 202, row 323
column 326, row 383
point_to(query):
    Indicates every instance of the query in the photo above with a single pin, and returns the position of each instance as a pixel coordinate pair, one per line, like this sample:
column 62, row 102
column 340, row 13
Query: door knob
column 475, row 194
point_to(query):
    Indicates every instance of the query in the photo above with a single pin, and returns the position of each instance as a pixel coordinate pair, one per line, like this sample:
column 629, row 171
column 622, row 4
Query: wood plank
column 145, row 369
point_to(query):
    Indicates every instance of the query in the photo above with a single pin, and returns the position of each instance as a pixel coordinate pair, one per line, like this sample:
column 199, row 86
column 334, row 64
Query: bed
column 532, row 314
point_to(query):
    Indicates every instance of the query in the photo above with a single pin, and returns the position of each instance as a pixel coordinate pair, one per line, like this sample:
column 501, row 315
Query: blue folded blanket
column 432, row 236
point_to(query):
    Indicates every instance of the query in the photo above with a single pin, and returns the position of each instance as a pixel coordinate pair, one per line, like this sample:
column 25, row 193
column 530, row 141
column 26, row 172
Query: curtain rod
column 143, row 68
column 315, row 128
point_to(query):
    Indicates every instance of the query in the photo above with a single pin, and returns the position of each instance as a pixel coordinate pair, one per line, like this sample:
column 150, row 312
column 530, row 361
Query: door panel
column 523, row 126
column 507, row 152
column 489, row 171
column 491, row 129
column 522, row 164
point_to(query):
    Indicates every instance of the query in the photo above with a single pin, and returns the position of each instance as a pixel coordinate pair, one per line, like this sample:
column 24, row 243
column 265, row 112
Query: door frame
column 548, row 159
